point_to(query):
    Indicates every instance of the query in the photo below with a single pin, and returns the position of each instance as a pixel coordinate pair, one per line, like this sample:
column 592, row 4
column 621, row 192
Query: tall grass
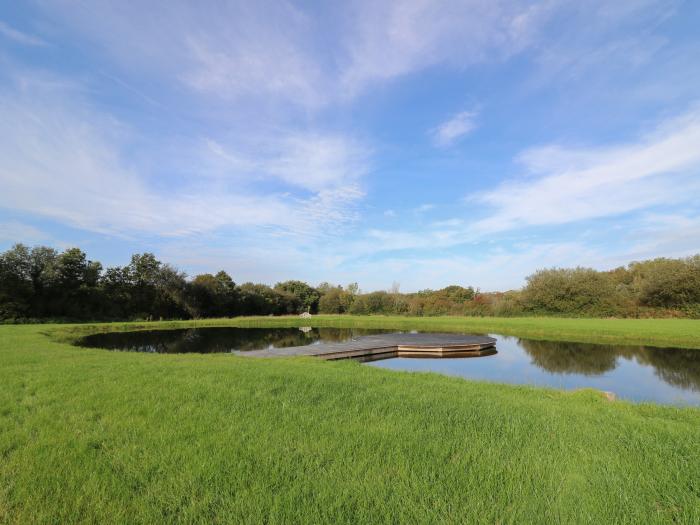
column 93, row 436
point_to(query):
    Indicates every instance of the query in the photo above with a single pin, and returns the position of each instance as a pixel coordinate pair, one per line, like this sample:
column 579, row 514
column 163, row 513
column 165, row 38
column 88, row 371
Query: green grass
column 94, row 436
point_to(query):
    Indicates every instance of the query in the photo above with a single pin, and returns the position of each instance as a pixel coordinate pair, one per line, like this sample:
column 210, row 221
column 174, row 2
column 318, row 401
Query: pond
column 662, row 375
column 220, row 340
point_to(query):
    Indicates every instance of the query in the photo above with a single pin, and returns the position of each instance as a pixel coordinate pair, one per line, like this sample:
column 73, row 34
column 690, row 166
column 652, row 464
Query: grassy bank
column 681, row 333
column 95, row 436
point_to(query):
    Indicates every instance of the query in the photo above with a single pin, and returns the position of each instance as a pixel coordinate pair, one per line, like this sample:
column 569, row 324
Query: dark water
column 668, row 375
column 219, row 340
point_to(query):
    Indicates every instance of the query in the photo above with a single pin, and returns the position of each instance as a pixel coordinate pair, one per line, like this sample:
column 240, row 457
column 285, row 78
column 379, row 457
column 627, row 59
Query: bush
column 577, row 291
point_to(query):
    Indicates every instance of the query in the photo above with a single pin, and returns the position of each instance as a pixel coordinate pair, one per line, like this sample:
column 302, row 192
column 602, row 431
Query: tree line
column 43, row 283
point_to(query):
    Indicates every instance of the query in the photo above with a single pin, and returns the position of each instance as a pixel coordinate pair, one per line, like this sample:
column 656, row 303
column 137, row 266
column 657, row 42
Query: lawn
column 95, row 436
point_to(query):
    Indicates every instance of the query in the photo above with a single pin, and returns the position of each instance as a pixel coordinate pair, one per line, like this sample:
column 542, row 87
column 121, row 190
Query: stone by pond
column 661, row 375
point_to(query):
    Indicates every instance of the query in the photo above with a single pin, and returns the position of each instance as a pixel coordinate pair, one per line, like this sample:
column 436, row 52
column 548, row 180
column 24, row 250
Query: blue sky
column 424, row 143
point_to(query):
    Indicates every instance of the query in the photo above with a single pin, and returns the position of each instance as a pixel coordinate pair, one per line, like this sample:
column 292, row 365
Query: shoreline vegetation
column 88, row 435
column 42, row 283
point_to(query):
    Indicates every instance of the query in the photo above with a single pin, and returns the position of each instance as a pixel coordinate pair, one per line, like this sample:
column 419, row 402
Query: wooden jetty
column 389, row 345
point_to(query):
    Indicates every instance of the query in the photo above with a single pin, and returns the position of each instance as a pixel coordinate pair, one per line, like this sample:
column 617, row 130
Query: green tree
column 335, row 301
column 212, row 295
column 668, row 283
column 577, row 291
column 16, row 289
column 307, row 296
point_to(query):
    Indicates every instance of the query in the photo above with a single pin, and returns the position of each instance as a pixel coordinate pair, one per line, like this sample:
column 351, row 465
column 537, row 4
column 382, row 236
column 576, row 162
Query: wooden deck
column 389, row 345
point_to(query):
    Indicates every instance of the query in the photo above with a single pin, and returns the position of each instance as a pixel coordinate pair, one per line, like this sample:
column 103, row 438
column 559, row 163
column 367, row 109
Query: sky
column 424, row 143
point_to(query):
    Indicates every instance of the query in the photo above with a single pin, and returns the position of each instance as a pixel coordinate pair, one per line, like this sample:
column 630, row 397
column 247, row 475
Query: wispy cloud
column 237, row 51
column 246, row 150
column 391, row 39
column 568, row 185
column 313, row 161
column 563, row 186
column 267, row 52
column 61, row 158
column 279, row 49
column 20, row 37
column 454, row 128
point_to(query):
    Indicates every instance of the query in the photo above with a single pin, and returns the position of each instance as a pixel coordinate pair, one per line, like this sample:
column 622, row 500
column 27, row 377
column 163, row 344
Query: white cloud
column 62, row 159
column 660, row 169
column 18, row 36
column 279, row 51
column 312, row 161
column 454, row 128
column 262, row 54
column 568, row 185
column 236, row 50
column 391, row 39
column 317, row 162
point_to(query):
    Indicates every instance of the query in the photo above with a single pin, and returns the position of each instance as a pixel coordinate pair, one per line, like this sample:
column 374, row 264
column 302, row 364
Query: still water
column 668, row 375
column 660, row 375
column 219, row 340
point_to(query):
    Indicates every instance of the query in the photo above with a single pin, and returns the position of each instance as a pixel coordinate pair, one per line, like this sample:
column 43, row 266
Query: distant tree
column 335, row 301
column 75, row 293
column 212, row 295
column 43, row 262
column 458, row 294
column 306, row 295
column 117, row 288
column 577, row 291
column 669, row 283
column 324, row 287
column 260, row 299
column 41, row 283
column 170, row 300
column 142, row 274
column 16, row 288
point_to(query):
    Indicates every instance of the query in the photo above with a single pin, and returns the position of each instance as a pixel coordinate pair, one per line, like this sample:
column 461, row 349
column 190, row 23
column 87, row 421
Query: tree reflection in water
column 676, row 366
column 218, row 340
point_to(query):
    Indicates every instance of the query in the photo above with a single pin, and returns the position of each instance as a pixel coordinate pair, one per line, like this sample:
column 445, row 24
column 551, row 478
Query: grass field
column 94, row 436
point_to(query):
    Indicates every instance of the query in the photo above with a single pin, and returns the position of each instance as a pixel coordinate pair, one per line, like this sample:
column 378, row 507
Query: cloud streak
column 63, row 159
column 569, row 185
column 19, row 36
column 456, row 127
column 243, row 50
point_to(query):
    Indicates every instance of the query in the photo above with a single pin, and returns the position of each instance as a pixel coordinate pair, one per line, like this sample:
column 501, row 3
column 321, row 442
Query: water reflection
column 676, row 366
column 467, row 354
column 218, row 340
column 570, row 358
column 663, row 375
